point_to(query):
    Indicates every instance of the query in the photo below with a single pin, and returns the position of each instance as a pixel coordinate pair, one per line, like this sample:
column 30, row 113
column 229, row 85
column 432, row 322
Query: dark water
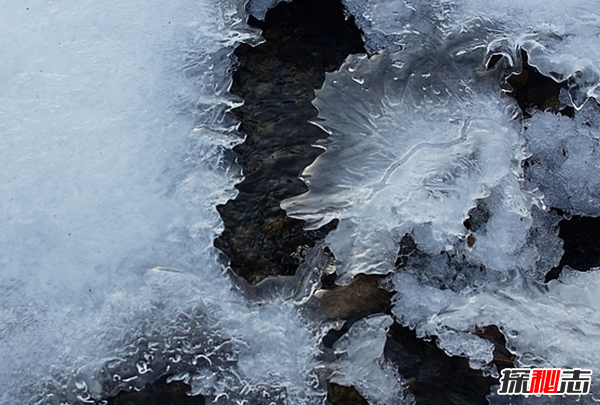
column 277, row 79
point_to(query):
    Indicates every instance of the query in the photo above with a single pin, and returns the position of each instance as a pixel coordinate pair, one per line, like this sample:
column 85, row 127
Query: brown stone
column 362, row 297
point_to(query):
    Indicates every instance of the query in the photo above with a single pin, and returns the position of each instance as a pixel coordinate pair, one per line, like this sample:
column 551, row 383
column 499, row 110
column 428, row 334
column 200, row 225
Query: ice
column 412, row 148
column 545, row 326
column 97, row 105
column 508, row 240
column 424, row 146
column 361, row 363
column 224, row 347
column 115, row 150
column 565, row 161
column 259, row 8
column 560, row 38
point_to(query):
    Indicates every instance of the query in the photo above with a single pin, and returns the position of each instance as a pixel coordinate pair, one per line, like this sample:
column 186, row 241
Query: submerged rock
column 342, row 395
column 362, row 297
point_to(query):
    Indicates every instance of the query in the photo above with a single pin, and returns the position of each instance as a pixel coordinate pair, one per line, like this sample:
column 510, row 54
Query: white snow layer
column 422, row 136
column 113, row 138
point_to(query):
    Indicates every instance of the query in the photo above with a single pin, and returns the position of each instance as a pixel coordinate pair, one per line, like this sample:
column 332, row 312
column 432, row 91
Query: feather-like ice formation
column 412, row 147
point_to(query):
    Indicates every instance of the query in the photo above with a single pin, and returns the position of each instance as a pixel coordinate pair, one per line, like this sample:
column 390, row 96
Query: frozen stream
column 114, row 139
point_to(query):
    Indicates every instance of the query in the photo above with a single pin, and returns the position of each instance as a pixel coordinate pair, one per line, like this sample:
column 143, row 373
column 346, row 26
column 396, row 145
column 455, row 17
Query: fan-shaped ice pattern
column 412, row 147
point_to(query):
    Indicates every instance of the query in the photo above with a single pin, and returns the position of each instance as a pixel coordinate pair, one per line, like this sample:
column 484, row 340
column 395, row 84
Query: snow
column 115, row 127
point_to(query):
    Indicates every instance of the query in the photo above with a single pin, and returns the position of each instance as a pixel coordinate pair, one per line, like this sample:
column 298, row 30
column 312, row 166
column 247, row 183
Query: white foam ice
column 114, row 139
column 97, row 104
column 565, row 162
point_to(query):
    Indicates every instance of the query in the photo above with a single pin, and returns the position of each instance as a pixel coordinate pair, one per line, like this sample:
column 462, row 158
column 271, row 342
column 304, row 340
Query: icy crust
column 360, row 363
column 561, row 39
column 226, row 349
column 413, row 145
column 565, row 160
